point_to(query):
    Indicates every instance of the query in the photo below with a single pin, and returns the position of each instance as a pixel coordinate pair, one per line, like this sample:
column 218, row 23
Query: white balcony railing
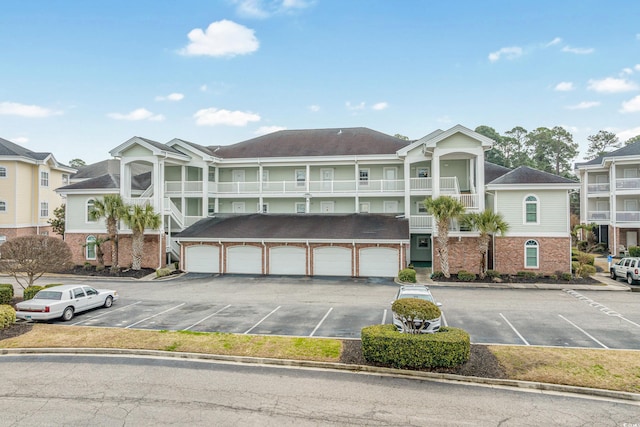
column 628, row 184
column 315, row 187
column 138, row 201
column 628, row 216
column 421, row 222
column 448, row 185
column 603, row 187
column 598, row 216
column 470, row 201
column 179, row 187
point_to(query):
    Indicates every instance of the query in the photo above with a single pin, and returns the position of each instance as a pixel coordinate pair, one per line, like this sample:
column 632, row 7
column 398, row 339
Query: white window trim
column 262, row 209
column 524, row 210
column 537, row 246
column 41, row 209
column 6, row 207
column 420, row 204
column 44, row 174
column 86, row 248
column 364, row 182
column 298, row 204
column 423, row 168
column 295, row 177
column 6, row 172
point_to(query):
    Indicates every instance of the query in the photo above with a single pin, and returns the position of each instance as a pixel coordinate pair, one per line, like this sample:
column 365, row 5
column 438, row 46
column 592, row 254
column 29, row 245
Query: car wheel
column 613, row 275
column 630, row 279
column 108, row 302
column 67, row 314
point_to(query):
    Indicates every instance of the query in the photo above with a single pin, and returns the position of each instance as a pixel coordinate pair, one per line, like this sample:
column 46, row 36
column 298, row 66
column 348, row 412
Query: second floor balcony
column 314, row 187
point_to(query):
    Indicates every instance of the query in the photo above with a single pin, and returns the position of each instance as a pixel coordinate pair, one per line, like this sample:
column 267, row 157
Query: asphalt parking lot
column 340, row 308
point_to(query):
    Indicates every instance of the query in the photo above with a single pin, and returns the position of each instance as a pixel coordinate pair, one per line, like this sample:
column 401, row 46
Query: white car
column 64, row 302
column 420, row 292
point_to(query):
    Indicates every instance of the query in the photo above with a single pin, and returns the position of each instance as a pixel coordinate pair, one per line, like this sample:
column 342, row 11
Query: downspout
column 264, row 258
column 354, row 267
column 308, row 261
column 223, row 258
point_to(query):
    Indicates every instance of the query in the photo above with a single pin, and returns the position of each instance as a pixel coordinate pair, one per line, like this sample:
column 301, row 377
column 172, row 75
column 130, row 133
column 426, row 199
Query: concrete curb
column 398, row 373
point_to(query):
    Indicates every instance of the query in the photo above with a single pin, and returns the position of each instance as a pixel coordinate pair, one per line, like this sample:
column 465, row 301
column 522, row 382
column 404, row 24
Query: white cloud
column 356, row 107
column 506, row 52
column 203, row 88
column 612, row 85
column 171, row 97
column 314, row 108
column 20, row 140
column 221, row 38
column 263, row 130
column 261, row 9
column 215, row 116
column 23, row 110
column 564, row 87
column 636, row 67
column 631, row 106
column 578, row 50
column 137, row 115
column 380, row 106
column 628, row 133
column 583, row 105
column 626, row 71
column 554, row 42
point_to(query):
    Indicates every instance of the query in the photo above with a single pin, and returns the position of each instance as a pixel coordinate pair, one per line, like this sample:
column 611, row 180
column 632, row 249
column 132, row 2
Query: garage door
column 244, row 260
column 379, row 262
column 288, row 260
column 332, row 261
column 202, row 259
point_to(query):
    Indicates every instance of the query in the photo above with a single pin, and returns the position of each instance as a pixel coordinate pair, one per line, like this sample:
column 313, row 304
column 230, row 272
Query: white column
column 480, row 182
column 584, row 198
column 217, row 178
column 407, row 188
column 357, row 183
column 435, row 166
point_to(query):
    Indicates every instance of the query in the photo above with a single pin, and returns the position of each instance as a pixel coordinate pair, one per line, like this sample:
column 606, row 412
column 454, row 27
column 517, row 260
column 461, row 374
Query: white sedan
column 63, row 302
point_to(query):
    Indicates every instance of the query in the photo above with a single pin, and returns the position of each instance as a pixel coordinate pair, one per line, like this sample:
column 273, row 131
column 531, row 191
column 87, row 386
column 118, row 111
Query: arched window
column 90, row 208
column 531, row 252
column 531, row 209
column 3, row 172
column 90, row 247
column 3, row 206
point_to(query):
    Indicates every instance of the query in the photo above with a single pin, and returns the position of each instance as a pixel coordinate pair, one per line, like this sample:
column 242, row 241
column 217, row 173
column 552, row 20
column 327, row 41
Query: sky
column 78, row 78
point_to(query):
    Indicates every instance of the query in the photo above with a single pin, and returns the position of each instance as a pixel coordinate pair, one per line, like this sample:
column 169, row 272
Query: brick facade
column 10, row 233
column 150, row 257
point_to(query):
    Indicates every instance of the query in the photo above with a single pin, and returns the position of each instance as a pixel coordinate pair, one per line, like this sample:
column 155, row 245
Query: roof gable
column 156, row 148
column 527, row 175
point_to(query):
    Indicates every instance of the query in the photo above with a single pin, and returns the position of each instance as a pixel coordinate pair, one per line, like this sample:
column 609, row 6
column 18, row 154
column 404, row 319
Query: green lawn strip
column 594, row 368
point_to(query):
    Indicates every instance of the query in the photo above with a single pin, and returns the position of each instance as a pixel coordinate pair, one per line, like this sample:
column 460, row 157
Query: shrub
column 634, row 251
column 586, row 271
column 87, row 266
column 492, row 274
column 384, row 345
column 526, row 274
column 566, row 276
column 411, row 309
column 7, row 316
column 553, row 277
column 407, row 275
column 161, row 272
column 466, row 276
column 437, row 275
column 30, row 291
column 6, row 293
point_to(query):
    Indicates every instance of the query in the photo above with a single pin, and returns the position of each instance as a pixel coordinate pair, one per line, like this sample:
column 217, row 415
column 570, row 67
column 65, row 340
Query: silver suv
column 420, row 292
column 627, row 268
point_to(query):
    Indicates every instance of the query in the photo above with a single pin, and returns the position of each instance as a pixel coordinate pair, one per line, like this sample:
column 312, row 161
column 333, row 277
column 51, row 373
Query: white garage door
column 379, row 262
column 202, row 259
column 332, row 261
column 244, row 260
column 288, row 260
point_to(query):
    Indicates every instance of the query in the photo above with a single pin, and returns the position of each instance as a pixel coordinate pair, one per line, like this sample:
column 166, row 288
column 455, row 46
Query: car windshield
column 420, row 296
column 48, row 295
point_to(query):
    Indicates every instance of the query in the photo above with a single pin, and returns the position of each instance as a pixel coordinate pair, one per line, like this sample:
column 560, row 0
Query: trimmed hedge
column 634, row 251
column 161, row 272
column 407, row 275
column 7, row 316
column 384, row 345
column 6, row 293
column 466, row 276
column 30, row 291
column 412, row 309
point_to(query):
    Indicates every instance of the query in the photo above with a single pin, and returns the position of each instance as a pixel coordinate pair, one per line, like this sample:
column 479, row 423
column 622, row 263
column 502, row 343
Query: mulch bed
column 81, row 270
column 522, row 279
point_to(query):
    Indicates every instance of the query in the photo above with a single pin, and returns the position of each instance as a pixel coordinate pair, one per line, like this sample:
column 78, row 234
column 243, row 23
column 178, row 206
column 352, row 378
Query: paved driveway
column 338, row 307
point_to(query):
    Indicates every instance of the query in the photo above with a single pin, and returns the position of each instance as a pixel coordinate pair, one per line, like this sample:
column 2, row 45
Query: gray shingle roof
column 313, row 142
column 527, row 175
column 110, row 166
column 493, row 171
column 300, row 226
column 8, row 148
column 160, row 145
column 627, row 150
column 110, row 181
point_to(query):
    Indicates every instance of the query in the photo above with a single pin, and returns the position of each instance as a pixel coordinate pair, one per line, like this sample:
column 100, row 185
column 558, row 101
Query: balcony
column 632, row 184
column 421, row 223
column 602, row 187
column 448, row 185
column 175, row 188
column 628, row 216
column 315, row 187
column 596, row 216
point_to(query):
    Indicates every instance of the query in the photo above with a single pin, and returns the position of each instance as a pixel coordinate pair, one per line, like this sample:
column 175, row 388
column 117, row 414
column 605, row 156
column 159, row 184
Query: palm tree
column 486, row 223
column 444, row 209
column 140, row 218
column 111, row 207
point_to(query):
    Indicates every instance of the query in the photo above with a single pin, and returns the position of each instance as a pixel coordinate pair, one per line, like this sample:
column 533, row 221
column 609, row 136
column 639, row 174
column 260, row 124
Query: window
column 78, row 293
column 3, row 172
column 44, row 209
column 301, row 207
column 65, row 179
column 531, row 210
column 2, row 239
column 44, row 179
column 3, row 206
column 422, row 172
column 90, row 247
column 265, row 208
column 365, row 207
column 90, row 208
column 211, row 207
column 364, row 177
column 301, row 177
column 531, row 254
column 421, row 208
column 212, row 174
column 44, row 233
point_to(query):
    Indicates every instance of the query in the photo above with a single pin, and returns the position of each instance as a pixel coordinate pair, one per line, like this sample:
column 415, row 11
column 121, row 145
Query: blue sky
column 78, row 78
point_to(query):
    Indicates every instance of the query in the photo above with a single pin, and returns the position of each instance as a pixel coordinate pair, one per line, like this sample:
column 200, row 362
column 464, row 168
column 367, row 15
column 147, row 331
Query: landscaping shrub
column 586, row 271
column 634, row 251
column 161, row 272
column 526, row 274
column 30, row 291
column 492, row 274
column 384, row 345
column 410, row 309
column 6, row 293
column 437, row 275
column 407, row 275
column 566, row 276
column 466, row 276
column 7, row 316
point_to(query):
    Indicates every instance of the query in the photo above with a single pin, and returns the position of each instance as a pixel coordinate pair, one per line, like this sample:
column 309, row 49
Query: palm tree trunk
column 113, row 236
column 137, row 244
column 443, row 249
column 483, row 246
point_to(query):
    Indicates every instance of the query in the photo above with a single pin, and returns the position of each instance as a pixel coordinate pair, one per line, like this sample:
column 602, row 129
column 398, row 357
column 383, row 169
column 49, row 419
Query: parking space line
column 514, row 329
column 158, row 314
column 384, row 316
column 105, row 313
column 322, row 320
column 262, row 320
column 606, row 310
column 209, row 316
column 582, row 330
